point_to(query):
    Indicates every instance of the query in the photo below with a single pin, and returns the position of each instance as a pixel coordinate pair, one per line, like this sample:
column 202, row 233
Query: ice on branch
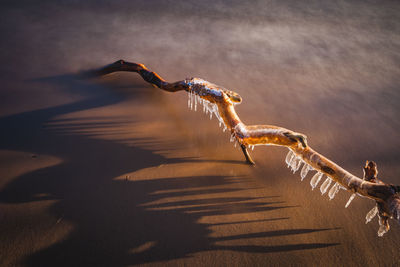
column 195, row 102
column 334, row 190
column 298, row 165
column 383, row 229
column 304, row 171
column 189, row 95
column 295, row 163
column 371, row 214
column 315, row 179
column 325, row 185
column 208, row 107
column 350, row 200
column 289, row 157
column 232, row 139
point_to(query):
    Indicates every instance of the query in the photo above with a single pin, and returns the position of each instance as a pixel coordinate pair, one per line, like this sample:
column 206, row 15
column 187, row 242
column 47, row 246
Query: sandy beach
column 110, row 171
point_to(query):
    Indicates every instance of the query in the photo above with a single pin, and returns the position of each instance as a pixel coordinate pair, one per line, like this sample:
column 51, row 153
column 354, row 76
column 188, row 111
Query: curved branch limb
column 148, row 76
column 269, row 135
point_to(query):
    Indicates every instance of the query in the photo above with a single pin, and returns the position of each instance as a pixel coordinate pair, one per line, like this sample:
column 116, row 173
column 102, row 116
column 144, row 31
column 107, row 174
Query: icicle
column 382, row 228
column 292, row 158
column 232, row 137
column 315, row 179
column 294, row 163
column 371, row 214
column 235, row 144
column 220, row 124
column 188, row 99
column 298, row 165
column 191, row 100
column 224, row 128
column 195, row 102
column 350, row 200
column 304, row 171
column 334, row 190
column 325, row 185
column 211, row 115
column 289, row 156
column 252, row 147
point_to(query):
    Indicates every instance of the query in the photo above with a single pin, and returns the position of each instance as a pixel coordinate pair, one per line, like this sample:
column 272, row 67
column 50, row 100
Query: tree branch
column 220, row 102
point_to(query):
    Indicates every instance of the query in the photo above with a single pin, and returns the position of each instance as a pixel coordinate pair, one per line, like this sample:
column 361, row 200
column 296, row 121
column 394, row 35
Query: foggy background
column 328, row 69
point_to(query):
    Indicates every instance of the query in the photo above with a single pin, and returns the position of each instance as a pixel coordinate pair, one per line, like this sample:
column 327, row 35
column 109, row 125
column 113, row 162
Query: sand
column 113, row 172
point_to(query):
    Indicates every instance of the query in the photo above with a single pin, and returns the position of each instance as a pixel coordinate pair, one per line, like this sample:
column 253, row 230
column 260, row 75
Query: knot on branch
column 371, row 172
column 388, row 203
column 297, row 137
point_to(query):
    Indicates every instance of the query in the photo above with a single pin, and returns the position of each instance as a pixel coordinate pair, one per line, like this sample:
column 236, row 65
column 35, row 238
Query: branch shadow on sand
column 115, row 222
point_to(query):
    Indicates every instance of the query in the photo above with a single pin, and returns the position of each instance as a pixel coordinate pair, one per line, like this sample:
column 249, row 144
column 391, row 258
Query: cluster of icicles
column 294, row 162
column 210, row 108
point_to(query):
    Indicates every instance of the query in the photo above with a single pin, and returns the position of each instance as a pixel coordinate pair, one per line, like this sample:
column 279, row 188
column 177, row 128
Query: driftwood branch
column 221, row 102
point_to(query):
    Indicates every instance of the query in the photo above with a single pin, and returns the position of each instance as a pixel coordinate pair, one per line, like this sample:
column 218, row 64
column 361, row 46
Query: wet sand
column 113, row 172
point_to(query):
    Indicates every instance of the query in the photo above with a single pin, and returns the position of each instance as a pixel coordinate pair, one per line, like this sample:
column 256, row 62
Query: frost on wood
column 220, row 103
